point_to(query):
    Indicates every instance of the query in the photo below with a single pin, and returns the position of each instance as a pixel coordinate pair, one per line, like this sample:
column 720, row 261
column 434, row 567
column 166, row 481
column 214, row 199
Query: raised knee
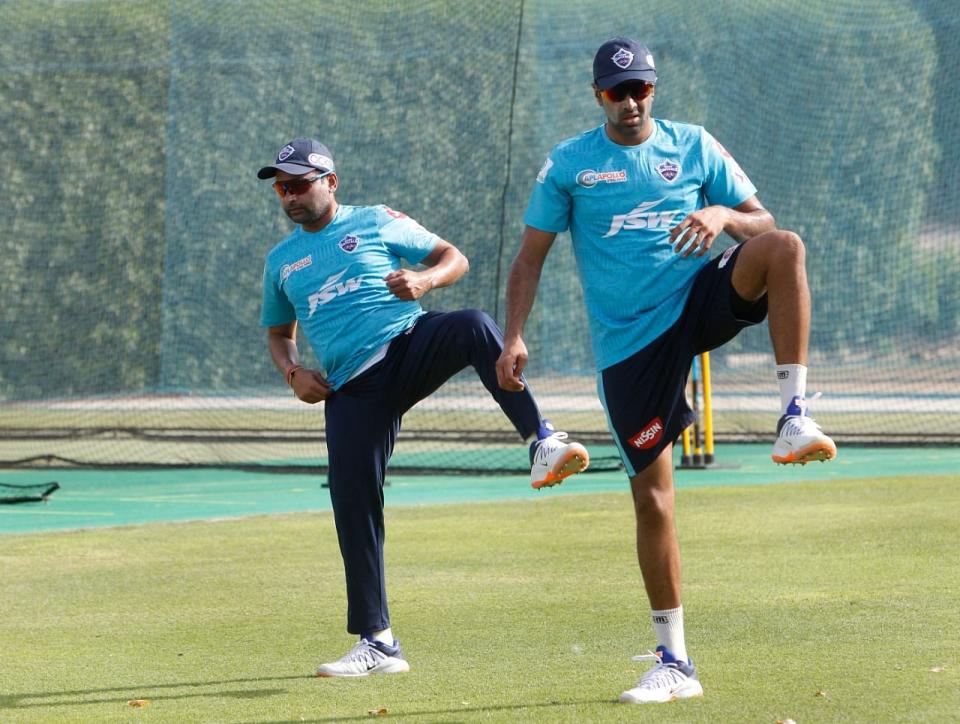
column 476, row 318
column 789, row 245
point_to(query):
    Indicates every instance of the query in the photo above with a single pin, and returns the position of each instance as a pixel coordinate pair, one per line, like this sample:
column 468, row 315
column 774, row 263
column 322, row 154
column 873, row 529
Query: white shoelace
column 661, row 676
column 548, row 445
column 363, row 652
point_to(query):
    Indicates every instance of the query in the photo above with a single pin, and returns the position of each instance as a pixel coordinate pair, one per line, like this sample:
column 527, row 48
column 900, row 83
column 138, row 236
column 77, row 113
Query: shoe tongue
column 797, row 407
column 666, row 656
column 385, row 647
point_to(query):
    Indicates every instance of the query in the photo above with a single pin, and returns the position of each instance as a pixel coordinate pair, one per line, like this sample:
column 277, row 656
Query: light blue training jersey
column 331, row 282
column 619, row 203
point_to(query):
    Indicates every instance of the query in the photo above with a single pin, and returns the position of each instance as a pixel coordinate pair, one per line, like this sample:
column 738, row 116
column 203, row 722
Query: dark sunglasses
column 297, row 186
column 636, row 89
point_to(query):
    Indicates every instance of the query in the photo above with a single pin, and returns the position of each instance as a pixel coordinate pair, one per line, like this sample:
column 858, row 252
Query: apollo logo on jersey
column 588, row 178
column 287, row 269
column 649, row 436
column 331, row 289
column 642, row 218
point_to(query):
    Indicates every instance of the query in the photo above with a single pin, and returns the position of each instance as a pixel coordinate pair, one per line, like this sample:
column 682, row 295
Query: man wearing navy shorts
column 644, row 199
column 338, row 275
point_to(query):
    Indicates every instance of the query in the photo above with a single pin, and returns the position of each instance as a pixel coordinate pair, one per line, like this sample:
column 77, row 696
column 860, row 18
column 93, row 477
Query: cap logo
column 285, row 153
column 319, row 160
column 622, row 58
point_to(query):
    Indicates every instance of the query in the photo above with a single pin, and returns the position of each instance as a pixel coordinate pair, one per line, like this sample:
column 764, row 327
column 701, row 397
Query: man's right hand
column 511, row 363
column 310, row 386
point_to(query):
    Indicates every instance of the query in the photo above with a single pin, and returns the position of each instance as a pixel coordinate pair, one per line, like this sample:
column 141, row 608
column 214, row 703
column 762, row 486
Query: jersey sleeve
column 725, row 182
column 405, row 237
column 550, row 203
column 276, row 308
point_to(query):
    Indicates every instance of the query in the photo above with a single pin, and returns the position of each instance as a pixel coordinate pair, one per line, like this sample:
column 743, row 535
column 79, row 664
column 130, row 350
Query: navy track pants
column 362, row 422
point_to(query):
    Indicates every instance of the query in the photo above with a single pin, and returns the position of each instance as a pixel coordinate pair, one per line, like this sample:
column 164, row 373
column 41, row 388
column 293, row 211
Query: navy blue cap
column 622, row 59
column 300, row 156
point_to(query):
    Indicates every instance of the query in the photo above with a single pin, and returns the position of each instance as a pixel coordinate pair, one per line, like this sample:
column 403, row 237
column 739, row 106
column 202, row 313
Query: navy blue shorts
column 645, row 394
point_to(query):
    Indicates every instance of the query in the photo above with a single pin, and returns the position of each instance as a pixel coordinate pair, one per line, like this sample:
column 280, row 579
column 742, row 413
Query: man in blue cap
column 338, row 275
column 644, row 199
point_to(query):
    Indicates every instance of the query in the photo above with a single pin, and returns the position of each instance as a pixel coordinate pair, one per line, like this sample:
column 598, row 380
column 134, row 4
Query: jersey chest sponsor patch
column 588, row 178
column 287, row 269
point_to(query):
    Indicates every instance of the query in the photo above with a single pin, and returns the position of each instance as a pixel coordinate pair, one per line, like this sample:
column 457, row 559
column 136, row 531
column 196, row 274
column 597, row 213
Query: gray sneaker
column 668, row 680
column 365, row 658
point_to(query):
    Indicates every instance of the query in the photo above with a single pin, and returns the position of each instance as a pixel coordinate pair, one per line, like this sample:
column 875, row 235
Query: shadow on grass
column 395, row 714
column 122, row 694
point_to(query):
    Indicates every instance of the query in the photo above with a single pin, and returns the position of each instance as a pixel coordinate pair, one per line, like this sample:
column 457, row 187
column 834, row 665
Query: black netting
column 133, row 229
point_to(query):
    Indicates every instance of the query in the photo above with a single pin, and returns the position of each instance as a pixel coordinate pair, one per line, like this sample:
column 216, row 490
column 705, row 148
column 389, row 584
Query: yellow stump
column 707, row 408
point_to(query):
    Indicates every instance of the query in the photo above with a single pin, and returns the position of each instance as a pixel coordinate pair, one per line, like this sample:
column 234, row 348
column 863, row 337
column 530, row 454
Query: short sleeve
column 725, row 182
column 550, row 203
column 405, row 237
column 276, row 308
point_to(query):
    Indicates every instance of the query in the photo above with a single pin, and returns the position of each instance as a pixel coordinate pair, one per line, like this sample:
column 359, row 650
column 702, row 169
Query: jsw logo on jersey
column 331, row 289
column 643, row 218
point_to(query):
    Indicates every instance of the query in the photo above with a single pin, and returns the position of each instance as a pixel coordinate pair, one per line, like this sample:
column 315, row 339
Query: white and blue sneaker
column 799, row 439
column 668, row 680
column 365, row 658
column 552, row 460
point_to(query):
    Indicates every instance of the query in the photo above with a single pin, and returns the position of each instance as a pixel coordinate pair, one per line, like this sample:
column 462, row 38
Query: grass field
column 817, row 602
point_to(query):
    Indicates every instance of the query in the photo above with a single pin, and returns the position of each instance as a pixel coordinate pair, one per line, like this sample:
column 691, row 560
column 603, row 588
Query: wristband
column 291, row 371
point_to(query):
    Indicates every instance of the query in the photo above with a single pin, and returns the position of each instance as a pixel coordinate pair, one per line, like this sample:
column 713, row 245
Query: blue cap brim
column 295, row 168
column 609, row 81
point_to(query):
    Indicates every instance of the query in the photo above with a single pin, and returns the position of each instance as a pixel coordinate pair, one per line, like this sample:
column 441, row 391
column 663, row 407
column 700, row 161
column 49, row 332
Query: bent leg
column 658, row 551
column 774, row 262
column 444, row 343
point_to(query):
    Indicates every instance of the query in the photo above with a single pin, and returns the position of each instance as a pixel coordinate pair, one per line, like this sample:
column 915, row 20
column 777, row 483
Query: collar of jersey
column 613, row 144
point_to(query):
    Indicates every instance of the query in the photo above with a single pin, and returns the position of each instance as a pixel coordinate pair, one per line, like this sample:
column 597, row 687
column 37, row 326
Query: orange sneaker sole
column 575, row 461
column 818, row 451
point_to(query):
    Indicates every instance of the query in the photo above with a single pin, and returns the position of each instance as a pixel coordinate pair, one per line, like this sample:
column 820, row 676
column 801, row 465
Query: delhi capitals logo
column 622, row 58
column 668, row 170
column 349, row 243
column 285, row 153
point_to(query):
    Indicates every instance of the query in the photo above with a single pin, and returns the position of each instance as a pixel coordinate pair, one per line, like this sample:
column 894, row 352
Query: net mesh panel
column 36, row 493
column 133, row 229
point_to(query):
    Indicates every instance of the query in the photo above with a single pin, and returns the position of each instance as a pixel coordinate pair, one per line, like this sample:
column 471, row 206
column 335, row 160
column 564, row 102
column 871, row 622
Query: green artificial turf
column 817, row 601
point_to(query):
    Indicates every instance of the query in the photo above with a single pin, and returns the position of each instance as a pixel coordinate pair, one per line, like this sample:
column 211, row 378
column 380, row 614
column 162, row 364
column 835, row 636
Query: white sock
column 668, row 625
column 384, row 637
column 793, row 383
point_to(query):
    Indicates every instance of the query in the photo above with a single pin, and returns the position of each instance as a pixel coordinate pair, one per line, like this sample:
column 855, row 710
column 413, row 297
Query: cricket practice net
column 133, row 229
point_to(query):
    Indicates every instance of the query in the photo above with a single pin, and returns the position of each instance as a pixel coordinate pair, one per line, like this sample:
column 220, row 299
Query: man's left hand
column 697, row 231
column 408, row 284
